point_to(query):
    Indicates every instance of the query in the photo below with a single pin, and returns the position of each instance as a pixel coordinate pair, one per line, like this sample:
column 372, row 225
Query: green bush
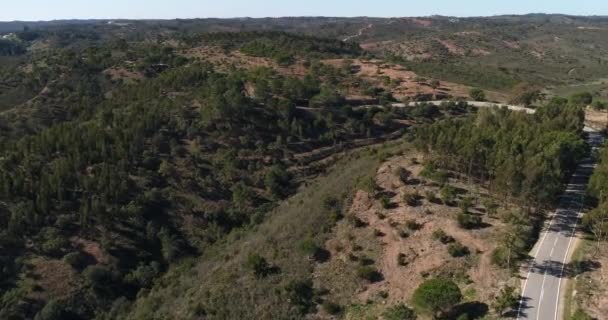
column 301, row 294
column 441, row 236
column 448, row 194
column 502, row 257
column 458, row 250
column 54, row 246
column 313, row 250
column 332, row 308
column 469, row 221
column 258, row 265
column 402, row 259
column 399, row 312
column 101, row 278
column 580, row 315
column 144, row 275
column 465, row 204
column 75, row 259
column 411, row 199
column 52, row 311
column 477, row 94
column 403, row 174
column 437, row 296
column 413, row 225
column 369, row 273
column 385, row 201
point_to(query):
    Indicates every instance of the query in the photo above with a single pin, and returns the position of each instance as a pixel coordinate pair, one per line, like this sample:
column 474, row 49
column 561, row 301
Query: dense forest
column 521, row 158
column 123, row 158
column 154, row 171
column 518, row 155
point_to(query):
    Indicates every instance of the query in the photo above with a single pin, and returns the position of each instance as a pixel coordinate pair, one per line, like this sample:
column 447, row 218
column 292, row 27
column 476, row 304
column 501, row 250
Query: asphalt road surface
column 543, row 284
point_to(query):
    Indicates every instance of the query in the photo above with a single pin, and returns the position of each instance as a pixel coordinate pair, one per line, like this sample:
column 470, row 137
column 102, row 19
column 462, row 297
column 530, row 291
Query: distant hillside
column 491, row 52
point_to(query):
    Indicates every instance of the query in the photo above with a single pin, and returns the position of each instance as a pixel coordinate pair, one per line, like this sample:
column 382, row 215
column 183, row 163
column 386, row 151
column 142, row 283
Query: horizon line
column 306, row 16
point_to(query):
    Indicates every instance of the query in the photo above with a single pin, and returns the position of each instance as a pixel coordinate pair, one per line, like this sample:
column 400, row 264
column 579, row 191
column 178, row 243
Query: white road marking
column 559, row 283
column 523, row 293
column 542, row 294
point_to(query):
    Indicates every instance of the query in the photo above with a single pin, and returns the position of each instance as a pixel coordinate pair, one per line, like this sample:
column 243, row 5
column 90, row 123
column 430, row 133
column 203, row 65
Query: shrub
column 170, row 244
column 428, row 170
column 332, row 308
column 441, row 177
column 582, row 99
column 458, row 250
column 356, row 222
column 385, row 201
column 468, row 221
column 301, row 294
column 144, row 275
column 507, row 299
column 448, row 194
column 465, row 204
column 477, row 94
column 491, row 206
column 369, row 273
column 312, row 249
column 399, row 312
column 332, row 204
column 55, row 245
column 258, row 265
column 51, row 311
column 369, row 185
column 413, row 225
column 403, row 174
column 100, row 278
column 402, row 259
column 501, row 257
column 580, row 315
column 437, row 296
column 442, row 237
column 277, row 180
column 411, row 199
column 432, row 197
column 76, row 260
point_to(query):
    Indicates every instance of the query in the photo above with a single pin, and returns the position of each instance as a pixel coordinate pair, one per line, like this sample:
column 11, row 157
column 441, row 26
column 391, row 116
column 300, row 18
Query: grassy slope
column 219, row 285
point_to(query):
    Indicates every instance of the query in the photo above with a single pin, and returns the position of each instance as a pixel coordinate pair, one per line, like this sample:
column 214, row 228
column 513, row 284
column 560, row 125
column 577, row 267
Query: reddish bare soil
column 404, row 83
column 382, row 241
column 54, row 279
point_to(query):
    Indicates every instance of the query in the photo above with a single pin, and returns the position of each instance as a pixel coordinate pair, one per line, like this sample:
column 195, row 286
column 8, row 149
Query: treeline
column 596, row 221
column 517, row 155
column 281, row 46
column 11, row 48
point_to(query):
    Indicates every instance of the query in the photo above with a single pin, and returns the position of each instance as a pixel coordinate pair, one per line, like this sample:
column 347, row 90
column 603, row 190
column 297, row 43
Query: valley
column 303, row 168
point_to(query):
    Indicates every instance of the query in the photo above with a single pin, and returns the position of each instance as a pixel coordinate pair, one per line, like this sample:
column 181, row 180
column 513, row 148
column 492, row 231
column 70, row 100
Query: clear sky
column 169, row 9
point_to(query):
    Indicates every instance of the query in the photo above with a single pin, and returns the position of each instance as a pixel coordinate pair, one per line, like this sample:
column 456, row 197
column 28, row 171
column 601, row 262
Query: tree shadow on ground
column 473, row 310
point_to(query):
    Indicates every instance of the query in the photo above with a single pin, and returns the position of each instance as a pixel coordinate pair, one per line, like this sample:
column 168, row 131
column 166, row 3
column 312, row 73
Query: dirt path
column 360, row 33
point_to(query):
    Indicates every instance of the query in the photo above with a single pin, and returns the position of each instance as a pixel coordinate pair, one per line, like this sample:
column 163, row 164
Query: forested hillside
column 520, row 156
column 197, row 169
column 106, row 184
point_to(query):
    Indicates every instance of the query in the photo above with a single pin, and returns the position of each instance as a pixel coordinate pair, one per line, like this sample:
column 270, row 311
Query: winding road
column 549, row 266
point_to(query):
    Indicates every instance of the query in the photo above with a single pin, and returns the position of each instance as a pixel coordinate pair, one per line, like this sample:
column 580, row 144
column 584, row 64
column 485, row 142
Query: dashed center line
column 542, row 293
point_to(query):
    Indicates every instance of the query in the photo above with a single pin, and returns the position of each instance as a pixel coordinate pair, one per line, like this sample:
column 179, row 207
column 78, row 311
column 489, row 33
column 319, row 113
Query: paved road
column 542, row 286
column 478, row 104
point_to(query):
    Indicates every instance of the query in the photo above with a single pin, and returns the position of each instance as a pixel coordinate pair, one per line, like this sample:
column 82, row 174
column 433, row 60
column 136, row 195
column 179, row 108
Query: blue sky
column 168, row 9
